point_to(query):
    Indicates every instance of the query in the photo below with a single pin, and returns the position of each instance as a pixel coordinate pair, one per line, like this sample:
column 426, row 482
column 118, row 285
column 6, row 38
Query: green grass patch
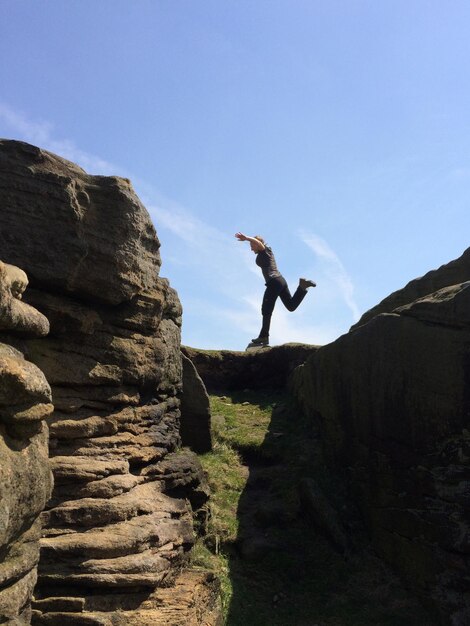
column 241, row 420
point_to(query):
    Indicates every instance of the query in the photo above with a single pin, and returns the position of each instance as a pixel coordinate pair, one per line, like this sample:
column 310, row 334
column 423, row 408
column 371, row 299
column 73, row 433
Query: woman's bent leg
column 292, row 302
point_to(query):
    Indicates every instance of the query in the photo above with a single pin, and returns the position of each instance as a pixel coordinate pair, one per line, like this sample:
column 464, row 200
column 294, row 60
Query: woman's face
column 255, row 246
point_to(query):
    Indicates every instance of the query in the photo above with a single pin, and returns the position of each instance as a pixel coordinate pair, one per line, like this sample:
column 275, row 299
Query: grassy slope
column 275, row 568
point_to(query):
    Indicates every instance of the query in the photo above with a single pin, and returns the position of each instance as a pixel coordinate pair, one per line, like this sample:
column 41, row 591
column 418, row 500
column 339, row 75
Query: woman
column 276, row 286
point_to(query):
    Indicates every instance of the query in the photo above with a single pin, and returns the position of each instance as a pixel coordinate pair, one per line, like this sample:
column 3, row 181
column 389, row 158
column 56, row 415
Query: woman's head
column 255, row 246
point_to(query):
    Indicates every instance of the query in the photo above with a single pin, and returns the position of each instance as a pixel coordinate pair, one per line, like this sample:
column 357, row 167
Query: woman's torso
column 266, row 261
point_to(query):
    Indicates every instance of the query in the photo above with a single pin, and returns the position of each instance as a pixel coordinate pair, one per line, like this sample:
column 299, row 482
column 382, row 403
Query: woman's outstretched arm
column 253, row 241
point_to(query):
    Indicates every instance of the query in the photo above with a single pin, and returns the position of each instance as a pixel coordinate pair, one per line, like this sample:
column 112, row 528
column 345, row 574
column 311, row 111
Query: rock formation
column 120, row 522
column 25, row 475
column 392, row 399
column 268, row 368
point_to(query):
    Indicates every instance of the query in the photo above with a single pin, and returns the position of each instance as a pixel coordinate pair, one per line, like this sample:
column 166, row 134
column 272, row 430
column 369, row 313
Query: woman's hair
column 259, row 238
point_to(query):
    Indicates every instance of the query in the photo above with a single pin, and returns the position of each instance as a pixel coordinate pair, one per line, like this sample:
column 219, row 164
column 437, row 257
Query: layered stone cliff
column 120, row 521
column 25, row 475
column 392, row 400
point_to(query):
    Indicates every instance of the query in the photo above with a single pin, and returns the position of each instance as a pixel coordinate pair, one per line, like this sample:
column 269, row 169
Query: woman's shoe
column 304, row 283
column 260, row 341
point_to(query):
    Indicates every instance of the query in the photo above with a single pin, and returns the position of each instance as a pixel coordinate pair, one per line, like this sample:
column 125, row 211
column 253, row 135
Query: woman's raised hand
column 240, row 236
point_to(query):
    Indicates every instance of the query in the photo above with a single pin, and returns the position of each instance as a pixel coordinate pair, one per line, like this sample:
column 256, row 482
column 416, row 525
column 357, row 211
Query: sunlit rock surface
column 119, row 524
column 25, row 475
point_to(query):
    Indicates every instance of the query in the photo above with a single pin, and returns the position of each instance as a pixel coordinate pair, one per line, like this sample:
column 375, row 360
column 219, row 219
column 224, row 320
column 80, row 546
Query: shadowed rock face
column 120, row 521
column 195, row 410
column 392, row 398
column 268, row 368
column 25, row 475
column 453, row 273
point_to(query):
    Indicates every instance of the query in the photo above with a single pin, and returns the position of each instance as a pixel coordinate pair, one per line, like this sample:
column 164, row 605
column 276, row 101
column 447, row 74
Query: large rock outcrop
column 392, row 398
column 120, row 522
column 25, row 475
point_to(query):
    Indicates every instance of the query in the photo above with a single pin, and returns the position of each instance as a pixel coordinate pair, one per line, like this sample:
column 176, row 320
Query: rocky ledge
column 265, row 368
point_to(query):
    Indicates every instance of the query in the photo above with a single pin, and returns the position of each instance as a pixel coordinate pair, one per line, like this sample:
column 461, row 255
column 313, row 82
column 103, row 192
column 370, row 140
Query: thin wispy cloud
column 333, row 268
column 205, row 246
column 210, row 255
column 186, row 226
column 42, row 134
column 181, row 224
column 295, row 328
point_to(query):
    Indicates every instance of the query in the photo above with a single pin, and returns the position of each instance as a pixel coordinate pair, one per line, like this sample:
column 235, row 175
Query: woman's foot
column 304, row 283
column 260, row 341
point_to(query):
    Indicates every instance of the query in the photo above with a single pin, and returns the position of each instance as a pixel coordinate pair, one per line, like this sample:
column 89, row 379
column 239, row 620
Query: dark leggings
column 277, row 287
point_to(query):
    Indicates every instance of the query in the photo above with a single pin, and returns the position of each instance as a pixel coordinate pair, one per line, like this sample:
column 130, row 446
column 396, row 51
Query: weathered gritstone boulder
column 25, row 475
column 82, row 223
column 393, row 401
column 115, row 530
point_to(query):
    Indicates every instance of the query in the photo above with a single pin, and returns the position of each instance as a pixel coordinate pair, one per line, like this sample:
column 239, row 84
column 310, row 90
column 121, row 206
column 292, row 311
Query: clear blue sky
column 338, row 130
